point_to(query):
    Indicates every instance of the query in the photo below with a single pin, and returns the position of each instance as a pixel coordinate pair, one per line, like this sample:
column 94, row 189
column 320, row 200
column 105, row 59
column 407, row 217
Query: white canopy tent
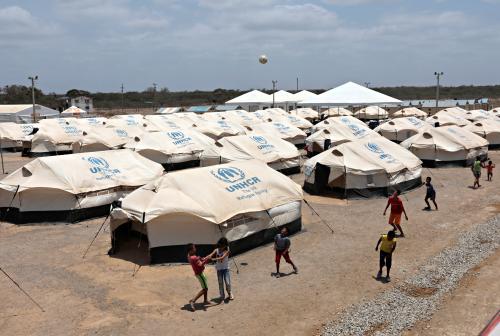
column 350, row 94
column 244, row 201
column 252, row 100
column 74, row 111
column 23, row 113
column 303, row 95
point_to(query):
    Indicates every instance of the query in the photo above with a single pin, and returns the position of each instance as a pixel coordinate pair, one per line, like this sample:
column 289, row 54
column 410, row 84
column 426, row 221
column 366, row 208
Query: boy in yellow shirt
column 388, row 246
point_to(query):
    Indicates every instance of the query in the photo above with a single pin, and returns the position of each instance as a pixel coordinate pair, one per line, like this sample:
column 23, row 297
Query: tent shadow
column 134, row 250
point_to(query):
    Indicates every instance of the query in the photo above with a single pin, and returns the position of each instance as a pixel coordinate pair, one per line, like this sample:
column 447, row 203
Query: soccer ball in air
column 263, row 59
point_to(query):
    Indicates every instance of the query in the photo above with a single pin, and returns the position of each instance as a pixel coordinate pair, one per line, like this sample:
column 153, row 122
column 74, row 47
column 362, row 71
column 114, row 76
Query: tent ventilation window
column 337, row 153
column 326, row 131
column 218, row 144
column 239, row 220
column 427, row 135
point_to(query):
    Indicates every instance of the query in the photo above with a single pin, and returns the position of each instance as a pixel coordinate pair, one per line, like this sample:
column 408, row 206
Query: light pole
column 33, row 79
column 274, row 89
column 154, row 95
column 367, row 84
column 438, row 76
column 122, row 96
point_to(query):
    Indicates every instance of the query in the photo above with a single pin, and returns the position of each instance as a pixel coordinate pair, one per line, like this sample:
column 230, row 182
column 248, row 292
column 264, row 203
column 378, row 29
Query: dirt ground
column 99, row 296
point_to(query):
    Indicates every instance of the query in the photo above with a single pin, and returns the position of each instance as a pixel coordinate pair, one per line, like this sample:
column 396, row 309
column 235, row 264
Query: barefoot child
column 221, row 256
column 386, row 249
column 397, row 209
column 430, row 194
column 489, row 170
column 476, row 170
column 281, row 246
column 198, row 265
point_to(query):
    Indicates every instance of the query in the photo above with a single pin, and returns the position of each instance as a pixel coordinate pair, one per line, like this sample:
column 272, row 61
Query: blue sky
column 206, row 44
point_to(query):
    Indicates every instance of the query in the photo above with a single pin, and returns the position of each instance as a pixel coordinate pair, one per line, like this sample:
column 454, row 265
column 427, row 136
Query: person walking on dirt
column 476, row 170
column 282, row 247
column 198, row 265
column 489, row 170
column 388, row 246
column 221, row 257
column 430, row 194
column 397, row 209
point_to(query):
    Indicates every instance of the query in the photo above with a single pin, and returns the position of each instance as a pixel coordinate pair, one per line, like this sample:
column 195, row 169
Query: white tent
column 73, row 187
column 364, row 164
column 96, row 139
column 337, row 130
column 336, row 112
column 24, row 113
column 283, row 96
column 400, row 129
column 488, row 129
column 296, row 121
column 495, row 110
column 12, row 135
column 131, row 121
column 276, row 152
column 74, row 111
column 477, row 115
column 55, row 138
column 244, row 201
column 283, row 130
column 306, row 113
column 447, row 119
column 303, row 95
column 218, row 129
column 446, row 144
column 252, row 100
column 350, row 94
column 371, row 112
column 169, row 122
column 175, row 149
column 241, row 117
column 92, row 122
column 410, row 112
column 349, row 121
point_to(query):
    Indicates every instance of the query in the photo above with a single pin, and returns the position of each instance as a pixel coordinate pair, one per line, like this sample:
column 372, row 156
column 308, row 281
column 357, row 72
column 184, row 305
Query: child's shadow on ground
column 282, row 275
column 202, row 306
column 381, row 279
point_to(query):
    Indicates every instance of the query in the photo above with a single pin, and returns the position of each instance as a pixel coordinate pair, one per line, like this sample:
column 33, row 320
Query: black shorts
column 385, row 259
column 432, row 196
column 477, row 174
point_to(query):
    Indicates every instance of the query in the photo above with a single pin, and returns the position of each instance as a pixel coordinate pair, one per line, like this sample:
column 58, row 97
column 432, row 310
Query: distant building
column 83, row 102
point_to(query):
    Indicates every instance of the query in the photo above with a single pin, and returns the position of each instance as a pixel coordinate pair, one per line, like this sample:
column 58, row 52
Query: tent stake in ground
column 21, row 289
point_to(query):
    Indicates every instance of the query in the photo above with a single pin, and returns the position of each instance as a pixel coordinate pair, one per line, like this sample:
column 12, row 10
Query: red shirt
column 489, row 168
column 194, row 261
column 396, row 205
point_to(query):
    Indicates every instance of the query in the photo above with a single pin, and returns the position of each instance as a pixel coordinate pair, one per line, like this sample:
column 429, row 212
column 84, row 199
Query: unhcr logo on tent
column 121, row 133
column 26, row 129
column 414, row 121
column 178, row 137
column 282, row 128
column 236, row 177
column 101, row 166
column 71, row 130
column 222, row 124
column 262, row 143
column 356, row 130
column 373, row 147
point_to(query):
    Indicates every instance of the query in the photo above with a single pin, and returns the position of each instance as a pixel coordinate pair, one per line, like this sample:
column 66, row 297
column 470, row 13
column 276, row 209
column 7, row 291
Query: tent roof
column 254, row 96
column 28, row 108
column 283, row 96
column 351, row 94
column 74, row 109
column 304, row 94
column 199, row 109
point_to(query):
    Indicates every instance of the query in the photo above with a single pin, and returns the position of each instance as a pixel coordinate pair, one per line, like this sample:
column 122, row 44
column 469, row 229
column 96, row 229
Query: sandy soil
column 99, row 295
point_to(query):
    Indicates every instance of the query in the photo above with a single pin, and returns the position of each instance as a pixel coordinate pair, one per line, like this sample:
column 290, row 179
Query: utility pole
column 438, row 76
column 367, row 84
column 274, row 89
column 297, row 84
column 122, row 98
column 154, row 95
column 33, row 79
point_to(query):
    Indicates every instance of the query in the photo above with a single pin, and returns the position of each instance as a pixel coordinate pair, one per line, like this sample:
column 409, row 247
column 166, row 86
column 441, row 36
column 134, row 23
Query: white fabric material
column 448, row 143
column 351, row 94
column 173, row 146
column 338, row 130
column 168, row 122
column 488, row 129
column 16, row 132
column 56, row 135
column 366, row 163
column 214, row 194
column 73, row 110
column 410, row 112
column 132, row 121
column 92, row 122
column 296, row 121
column 477, row 115
column 446, row 118
column 372, row 112
column 303, row 95
column 270, row 149
column 283, row 130
column 283, row 96
column 400, row 129
column 103, row 138
column 51, row 183
column 252, row 97
column 336, row 112
column 219, row 128
column 306, row 113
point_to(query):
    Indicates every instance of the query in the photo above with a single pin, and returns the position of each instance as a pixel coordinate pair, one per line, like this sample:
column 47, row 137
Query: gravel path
column 398, row 309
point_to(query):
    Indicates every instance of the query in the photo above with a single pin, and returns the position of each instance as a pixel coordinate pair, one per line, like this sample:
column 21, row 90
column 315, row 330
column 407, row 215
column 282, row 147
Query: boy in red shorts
column 281, row 246
column 198, row 265
column 397, row 209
